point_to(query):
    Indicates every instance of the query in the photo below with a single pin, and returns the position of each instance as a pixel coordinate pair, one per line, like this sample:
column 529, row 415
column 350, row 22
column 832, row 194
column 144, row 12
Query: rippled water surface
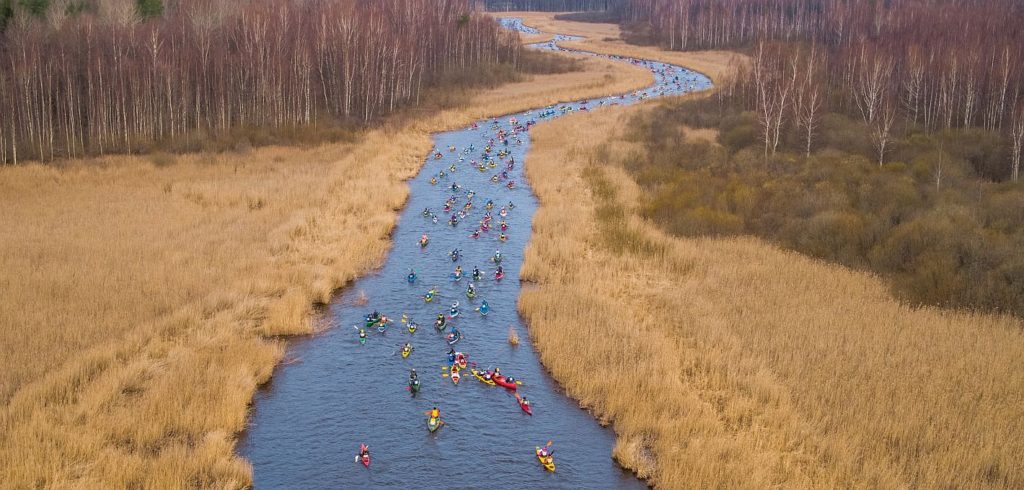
column 308, row 422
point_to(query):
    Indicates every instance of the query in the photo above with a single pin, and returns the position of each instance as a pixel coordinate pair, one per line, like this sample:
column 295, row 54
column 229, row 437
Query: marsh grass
column 731, row 363
column 144, row 297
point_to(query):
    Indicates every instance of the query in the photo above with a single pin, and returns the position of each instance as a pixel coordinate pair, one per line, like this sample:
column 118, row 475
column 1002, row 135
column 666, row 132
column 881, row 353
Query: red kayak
column 503, row 382
column 364, row 455
column 525, row 405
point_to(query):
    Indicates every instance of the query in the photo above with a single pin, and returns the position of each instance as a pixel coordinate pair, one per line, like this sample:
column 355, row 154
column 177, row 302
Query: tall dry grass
column 731, row 363
column 142, row 296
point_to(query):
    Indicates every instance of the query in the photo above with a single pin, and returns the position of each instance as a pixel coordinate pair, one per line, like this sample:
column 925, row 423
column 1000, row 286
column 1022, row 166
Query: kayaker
column 413, row 377
column 435, row 413
column 364, row 450
column 525, row 402
column 362, row 333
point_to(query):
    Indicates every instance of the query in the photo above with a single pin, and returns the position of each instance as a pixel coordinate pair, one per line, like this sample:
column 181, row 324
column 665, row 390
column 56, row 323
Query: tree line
column 931, row 64
column 550, row 5
column 98, row 78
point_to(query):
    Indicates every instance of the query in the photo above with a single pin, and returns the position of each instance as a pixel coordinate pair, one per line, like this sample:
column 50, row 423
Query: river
column 308, row 421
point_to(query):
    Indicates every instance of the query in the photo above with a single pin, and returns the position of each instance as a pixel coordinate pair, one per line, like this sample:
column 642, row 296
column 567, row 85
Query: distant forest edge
column 550, row 5
column 84, row 77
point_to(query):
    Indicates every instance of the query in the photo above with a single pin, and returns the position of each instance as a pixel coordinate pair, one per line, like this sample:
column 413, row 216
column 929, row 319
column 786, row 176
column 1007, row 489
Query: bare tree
column 881, row 128
column 1016, row 143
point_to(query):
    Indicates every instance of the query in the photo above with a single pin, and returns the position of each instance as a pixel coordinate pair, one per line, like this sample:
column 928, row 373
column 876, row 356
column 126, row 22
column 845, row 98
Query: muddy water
column 308, row 422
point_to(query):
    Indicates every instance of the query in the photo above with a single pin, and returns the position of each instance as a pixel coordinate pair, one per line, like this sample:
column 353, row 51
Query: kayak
column 547, row 461
column 414, row 387
column 413, row 327
column 452, row 338
column 480, row 376
column 499, row 276
column 434, row 423
column 406, row 351
column 411, row 278
column 364, row 455
column 503, row 382
column 455, row 375
column 484, row 309
column 461, row 361
column 523, row 405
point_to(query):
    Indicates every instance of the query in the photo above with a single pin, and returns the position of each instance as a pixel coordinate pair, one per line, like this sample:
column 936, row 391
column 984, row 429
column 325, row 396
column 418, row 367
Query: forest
column 883, row 136
column 112, row 76
column 933, row 65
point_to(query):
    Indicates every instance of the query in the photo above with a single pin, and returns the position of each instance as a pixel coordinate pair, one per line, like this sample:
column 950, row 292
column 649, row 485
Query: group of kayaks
column 457, row 207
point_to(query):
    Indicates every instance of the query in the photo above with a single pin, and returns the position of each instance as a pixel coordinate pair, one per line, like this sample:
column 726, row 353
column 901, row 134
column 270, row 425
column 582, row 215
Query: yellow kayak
column 480, row 375
column 547, row 461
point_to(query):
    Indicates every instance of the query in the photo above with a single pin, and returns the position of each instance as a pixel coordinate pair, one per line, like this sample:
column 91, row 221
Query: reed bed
column 730, row 363
column 144, row 296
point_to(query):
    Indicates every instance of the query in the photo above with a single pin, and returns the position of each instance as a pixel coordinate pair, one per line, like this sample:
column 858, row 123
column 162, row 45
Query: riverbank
column 143, row 295
column 732, row 363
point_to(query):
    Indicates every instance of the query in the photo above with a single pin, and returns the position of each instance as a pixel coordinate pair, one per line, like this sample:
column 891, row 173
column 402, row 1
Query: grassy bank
column 728, row 362
column 143, row 295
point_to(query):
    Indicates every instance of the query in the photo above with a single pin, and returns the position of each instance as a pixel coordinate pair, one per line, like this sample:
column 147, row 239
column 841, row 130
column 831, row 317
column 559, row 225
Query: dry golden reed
column 142, row 296
column 729, row 363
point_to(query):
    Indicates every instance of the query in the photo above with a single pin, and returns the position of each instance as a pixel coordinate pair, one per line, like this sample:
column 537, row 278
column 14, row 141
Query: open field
column 143, row 295
column 732, row 363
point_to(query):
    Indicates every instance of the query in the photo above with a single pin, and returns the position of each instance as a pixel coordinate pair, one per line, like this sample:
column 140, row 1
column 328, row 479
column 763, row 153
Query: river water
column 308, row 422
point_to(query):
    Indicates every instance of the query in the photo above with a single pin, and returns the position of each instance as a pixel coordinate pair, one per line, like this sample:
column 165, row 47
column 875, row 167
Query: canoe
column 363, row 456
column 548, row 462
column 503, row 382
column 526, row 408
column 480, row 376
column 434, row 423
